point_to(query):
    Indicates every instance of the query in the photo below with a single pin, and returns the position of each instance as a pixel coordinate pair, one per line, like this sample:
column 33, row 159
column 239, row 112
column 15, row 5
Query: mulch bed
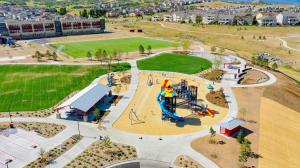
column 217, row 98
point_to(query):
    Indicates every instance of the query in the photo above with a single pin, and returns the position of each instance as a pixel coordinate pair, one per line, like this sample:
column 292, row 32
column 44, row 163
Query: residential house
column 287, row 18
column 225, row 19
column 156, row 18
column 244, row 19
column 209, row 18
column 168, row 18
column 266, row 19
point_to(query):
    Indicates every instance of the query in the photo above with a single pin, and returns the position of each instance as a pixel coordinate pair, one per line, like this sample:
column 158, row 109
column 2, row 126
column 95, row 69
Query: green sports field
column 173, row 62
column 35, row 87
column 79, row 49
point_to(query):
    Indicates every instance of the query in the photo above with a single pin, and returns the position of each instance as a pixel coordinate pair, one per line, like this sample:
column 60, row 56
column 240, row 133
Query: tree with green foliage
column 54, row 56
column 89, row 55
column 186, row 44
column 213, row 49
column 245, row 151
column 222, row 50
column 38, row 55
column 198, row 19
column 106, row 142
column 48, row 54
column 264, row 38
column 243, row 113
column 212, row 132
column 240, row 136
column 218, row 62
column 274, row 66
column 62, row 11
column 98, row 55
column 149, row 48
column 84, row 13
column 141, row 49
column 253, row 60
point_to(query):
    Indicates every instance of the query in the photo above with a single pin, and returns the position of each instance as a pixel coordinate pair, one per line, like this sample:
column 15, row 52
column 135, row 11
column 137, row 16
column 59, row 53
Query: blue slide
column 167, row 112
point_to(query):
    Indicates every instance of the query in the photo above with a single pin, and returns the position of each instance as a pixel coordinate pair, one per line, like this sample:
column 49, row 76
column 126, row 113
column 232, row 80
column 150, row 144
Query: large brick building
column 41, row 29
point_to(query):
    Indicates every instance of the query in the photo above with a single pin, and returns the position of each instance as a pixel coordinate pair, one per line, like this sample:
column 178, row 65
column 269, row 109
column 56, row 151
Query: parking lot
column 18, row 147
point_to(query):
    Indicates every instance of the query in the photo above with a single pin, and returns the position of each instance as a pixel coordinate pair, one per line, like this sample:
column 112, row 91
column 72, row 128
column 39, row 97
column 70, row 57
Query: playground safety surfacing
column 143, row 114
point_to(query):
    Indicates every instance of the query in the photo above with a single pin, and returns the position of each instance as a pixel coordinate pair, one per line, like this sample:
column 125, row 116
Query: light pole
column 11, row 123
column 78, row 128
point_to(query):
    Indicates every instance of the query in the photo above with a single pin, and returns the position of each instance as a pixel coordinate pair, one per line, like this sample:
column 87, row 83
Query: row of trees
column 104, row 56
column 38, row 55
column 142, row 49
column 95, row 13
column 263, row 62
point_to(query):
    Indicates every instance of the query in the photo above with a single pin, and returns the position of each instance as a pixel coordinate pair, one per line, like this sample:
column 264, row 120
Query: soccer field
column 35, row 87
column 79, row 49
column 173, row 62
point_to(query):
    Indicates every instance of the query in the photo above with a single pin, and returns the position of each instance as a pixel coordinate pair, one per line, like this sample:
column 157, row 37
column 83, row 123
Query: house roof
column 232, row 124
column 86, row 98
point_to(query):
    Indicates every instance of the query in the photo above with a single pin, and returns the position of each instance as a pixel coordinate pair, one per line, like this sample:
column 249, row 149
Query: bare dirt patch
column 46, row 158
column 217, row 97
column 214, row 75
column 100, row 155
column 46, row 130
column 254, row 77
column 224, row 155
column 187, row 162
column 279, row 135
column 285, row 91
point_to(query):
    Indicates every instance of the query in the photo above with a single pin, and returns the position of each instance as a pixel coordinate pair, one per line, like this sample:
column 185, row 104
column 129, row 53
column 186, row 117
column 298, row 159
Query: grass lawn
column 35, row 87
column 79, row 49
column 172, row 62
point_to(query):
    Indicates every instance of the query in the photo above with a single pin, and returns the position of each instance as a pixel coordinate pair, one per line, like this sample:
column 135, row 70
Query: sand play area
column 148, row 113
column 122, row 81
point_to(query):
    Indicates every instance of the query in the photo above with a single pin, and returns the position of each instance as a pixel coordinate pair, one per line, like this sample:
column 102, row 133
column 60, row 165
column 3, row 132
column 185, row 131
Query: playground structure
column 187, row 95
column 7, row 40
column 110, row 80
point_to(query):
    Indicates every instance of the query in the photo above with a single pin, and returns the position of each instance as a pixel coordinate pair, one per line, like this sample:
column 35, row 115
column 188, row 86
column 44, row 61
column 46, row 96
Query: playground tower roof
column 86, row 98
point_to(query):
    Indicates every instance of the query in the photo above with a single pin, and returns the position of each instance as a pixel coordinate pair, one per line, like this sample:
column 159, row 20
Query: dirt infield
column 148, row 111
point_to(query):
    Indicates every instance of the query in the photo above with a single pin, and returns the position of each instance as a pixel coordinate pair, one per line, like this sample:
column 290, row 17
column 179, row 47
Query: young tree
column 48, row 54
column 245, row 151
column 243, row 112
column 62, row 11
column 264, row 38
column 186, row 44
column 274, row 66
column 149, row 48
column 38, row 55
column 42, row 156
column 253, row 60
column 54, row 56
column 141, row 49
column 222, row 50
column 98, row 55
column 213, row 49
column 89, row 55
column 240, row 136
column 212, row 132
column 243, row 38
column 218, row 61
column 106, row 142
column 198, row 19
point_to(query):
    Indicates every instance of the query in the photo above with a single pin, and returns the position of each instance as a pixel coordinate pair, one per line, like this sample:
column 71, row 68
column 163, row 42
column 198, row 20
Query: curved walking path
column 156, row 148
column 285, row 44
